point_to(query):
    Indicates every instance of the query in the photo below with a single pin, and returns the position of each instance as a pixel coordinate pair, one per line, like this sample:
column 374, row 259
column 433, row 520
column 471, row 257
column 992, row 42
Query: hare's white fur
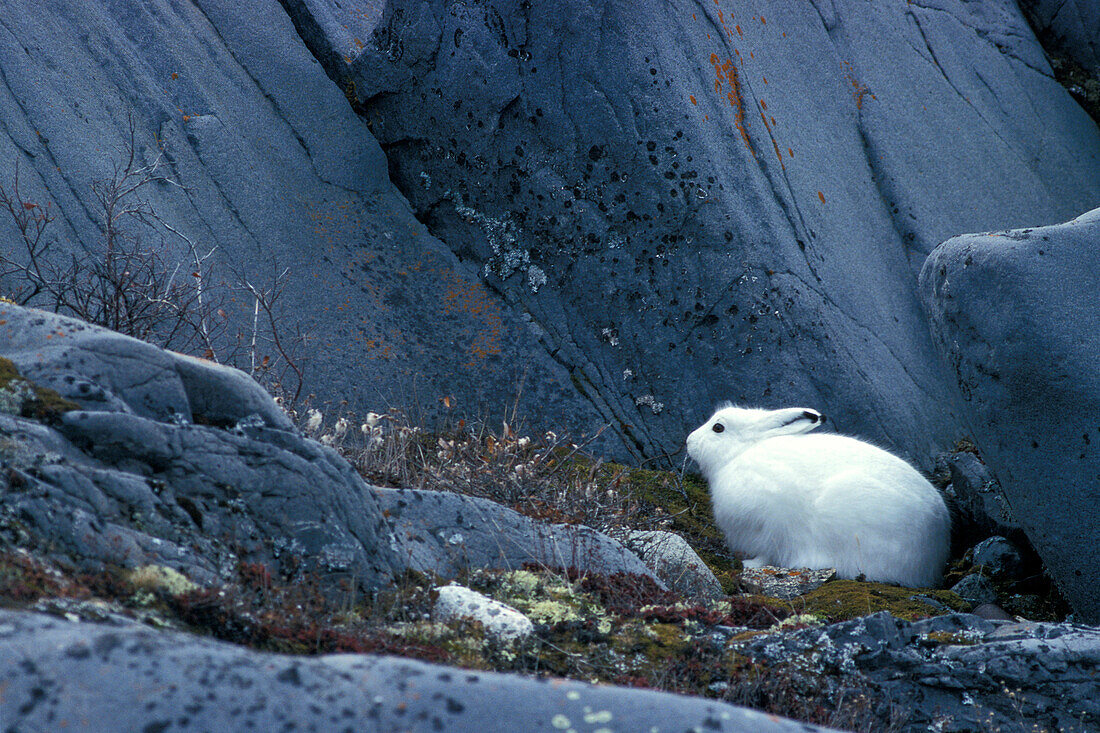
column 819, row 501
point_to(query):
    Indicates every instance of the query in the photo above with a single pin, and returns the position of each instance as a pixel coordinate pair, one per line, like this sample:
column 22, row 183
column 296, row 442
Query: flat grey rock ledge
column 130, row 677
column 446, row 534
column 957, row 672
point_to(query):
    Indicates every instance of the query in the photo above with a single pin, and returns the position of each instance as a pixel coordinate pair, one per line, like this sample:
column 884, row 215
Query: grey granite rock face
column 104, row 371
column 275, row 170
column 698, row 201
column 53, row 670
column 1014, row 315
column 446, row 534
column 957, row 672
column 131, row 480
column 975, row 589
column 646, row 209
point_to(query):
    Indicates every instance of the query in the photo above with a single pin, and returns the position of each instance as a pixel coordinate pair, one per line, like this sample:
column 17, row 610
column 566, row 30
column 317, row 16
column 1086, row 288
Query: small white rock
column 500, row 621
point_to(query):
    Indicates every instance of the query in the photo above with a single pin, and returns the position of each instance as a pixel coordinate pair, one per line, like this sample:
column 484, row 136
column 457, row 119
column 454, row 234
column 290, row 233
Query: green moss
column 840, row 600
column 22, row 397
column 651, row 645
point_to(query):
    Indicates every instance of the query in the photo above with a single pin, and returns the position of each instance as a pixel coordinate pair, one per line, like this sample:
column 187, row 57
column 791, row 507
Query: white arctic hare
column 819, row 501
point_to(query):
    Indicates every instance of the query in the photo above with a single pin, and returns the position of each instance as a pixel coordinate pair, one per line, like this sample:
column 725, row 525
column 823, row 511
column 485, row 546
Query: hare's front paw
column 756, row 562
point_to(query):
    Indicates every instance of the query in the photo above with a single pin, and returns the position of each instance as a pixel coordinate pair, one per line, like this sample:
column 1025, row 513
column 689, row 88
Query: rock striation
column 275, row 172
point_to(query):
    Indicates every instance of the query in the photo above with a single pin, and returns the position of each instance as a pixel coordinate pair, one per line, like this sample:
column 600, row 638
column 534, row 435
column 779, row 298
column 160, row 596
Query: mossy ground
column 619, row 629
column 840, row 600
column 28, row 399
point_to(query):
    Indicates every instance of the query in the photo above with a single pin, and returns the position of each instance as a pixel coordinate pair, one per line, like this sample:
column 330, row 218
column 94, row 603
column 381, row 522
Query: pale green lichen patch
column 152, row 578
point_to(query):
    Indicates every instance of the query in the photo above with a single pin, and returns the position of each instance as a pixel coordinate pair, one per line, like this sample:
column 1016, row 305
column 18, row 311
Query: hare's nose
column 815, row 416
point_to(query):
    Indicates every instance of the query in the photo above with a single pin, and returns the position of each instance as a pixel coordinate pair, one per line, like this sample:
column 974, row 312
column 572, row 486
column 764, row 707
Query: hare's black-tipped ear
column 813, row 416
column 792, row 421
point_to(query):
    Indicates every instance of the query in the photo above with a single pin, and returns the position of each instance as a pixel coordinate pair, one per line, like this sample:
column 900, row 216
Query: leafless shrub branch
column 129, row 286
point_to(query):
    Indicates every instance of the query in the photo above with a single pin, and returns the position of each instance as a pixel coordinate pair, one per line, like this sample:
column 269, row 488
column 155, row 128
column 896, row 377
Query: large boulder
column 641, row 208
column 697, row 202
column 52, row 670
column 138, row 456
column 1015, row 316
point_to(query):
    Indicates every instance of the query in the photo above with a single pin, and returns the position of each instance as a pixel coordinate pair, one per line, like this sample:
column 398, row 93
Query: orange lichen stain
column 469, row 298
column 821, row 196
column 358, row 44
column 377, row 348
column 763, row 104
column 859, row 89
column 692, row 98
column 693, row 16
column 175, row 76
column 725, row 73
column 784, row 34
column 775, row 145
column 333, row 223
column 763, row 21
column 739, row 31
column 790, row 153
column 765, row 79
column 186, row 118
column 347, row 59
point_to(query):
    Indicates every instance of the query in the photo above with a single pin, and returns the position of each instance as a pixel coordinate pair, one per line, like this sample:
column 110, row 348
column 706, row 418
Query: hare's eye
column 718, row 427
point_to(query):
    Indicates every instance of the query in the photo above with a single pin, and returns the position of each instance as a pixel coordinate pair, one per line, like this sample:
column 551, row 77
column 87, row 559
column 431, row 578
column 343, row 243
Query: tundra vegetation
column 620, row 629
